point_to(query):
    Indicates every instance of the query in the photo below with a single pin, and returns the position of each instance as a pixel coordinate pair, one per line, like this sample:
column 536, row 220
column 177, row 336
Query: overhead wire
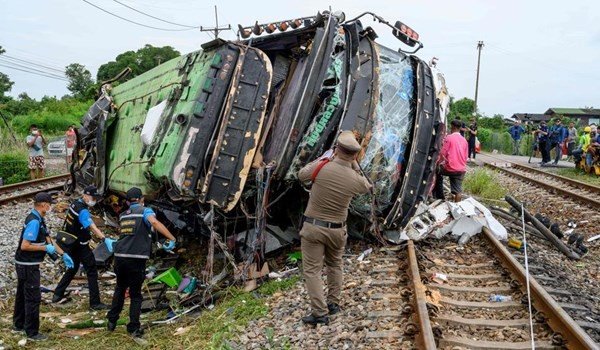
column 40, row 74
column 30, row 62
column 157, row 18
column 134, row 22
column 31, row 68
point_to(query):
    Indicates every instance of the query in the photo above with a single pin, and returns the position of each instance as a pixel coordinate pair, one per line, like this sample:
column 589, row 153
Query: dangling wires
column 527, row 277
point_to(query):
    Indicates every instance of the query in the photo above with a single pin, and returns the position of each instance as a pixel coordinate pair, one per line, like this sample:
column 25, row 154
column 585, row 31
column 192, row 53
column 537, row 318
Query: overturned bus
column 218, row 135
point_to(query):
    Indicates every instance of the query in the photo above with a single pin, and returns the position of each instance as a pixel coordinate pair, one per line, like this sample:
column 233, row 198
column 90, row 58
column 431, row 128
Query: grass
column 579, row 175
column 482, row 184
column 211, row 330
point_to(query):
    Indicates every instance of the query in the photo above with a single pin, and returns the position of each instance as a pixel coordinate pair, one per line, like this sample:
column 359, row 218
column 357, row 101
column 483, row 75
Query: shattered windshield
column 385, row 155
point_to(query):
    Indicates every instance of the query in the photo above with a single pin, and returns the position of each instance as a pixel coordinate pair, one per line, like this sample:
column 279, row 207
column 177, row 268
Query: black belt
column 325, row 224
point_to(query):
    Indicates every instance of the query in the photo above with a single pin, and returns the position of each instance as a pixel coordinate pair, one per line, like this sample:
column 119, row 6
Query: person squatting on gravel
column 336, row 178
column 132, row 250
column 79, row 223
column 33, row 245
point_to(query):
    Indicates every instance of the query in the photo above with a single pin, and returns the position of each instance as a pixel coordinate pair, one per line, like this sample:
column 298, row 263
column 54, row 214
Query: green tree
column 5, row 83
column 80, row 80
column 495, row 123
column 139, row 61
column 462, row 109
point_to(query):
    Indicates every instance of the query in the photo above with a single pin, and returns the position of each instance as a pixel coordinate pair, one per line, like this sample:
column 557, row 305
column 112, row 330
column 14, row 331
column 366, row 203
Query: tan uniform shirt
column 333, row 189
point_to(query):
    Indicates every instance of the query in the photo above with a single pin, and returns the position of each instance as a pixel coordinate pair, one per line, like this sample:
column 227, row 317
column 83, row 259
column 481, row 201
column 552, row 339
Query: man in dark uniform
column 472, row 131
column 34, row 243
column 132, row 250
column 323, row 236
column 79, row 223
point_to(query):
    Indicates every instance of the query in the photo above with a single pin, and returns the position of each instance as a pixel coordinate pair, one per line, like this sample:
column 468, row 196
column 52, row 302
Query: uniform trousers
column 320, row 246
column 130, row 274
column 81, row 254
column 27, row 301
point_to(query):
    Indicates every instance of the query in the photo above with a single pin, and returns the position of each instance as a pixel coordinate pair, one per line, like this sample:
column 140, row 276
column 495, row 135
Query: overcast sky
column 537, row 54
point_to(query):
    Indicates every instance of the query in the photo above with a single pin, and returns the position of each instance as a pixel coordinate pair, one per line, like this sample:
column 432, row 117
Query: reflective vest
column 72, row 224
column 135, row 239
column 23, row 257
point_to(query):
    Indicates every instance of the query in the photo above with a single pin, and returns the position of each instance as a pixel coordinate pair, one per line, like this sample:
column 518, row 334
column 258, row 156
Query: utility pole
column 216, row 28
column 479, row 47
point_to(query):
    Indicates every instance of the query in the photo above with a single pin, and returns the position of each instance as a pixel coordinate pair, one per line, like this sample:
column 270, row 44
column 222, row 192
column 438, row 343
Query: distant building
column 584, row 116
column 531, row 117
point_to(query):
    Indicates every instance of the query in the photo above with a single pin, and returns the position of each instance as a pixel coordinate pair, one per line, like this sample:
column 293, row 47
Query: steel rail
column 424, row 338
column 18, row 185
column 573, row 182
column 558, row 320
column 27, row 194
column 576, row 196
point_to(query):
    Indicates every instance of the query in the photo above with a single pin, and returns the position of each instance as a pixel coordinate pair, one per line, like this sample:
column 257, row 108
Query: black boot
column 311, row 319
column 333, row 308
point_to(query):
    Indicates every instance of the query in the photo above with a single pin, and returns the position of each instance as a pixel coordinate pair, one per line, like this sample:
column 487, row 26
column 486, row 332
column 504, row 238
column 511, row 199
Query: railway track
column 577, row 190
column 26, row 189
column 458, row 313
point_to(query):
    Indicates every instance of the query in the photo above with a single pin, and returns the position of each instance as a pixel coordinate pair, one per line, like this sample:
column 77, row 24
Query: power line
column 40, row 74
column 130, row 21
column 157, row 18
column 31, row 68
column 30, row 62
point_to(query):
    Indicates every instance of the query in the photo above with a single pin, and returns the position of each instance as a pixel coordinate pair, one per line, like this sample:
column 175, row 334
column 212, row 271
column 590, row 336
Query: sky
column 537, row 54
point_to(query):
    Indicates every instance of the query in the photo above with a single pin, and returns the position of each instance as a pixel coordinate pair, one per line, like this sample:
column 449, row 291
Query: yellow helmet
column 587, row 129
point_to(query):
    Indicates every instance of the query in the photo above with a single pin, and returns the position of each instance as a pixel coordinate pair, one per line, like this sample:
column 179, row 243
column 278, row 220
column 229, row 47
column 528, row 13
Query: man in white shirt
column 36, row 143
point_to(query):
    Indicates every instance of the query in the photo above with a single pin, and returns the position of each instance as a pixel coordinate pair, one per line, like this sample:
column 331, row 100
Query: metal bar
column 425, row 337
column 584, row 199
column 544, row 230
column 558, row 319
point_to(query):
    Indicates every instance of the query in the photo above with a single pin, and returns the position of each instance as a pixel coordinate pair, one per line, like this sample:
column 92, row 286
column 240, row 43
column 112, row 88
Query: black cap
column 134, row 193
column 44, row 197
column 91, row 190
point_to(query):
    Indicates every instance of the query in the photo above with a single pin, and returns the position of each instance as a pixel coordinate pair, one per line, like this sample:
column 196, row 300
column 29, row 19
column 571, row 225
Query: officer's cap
column 91, row 190
column 134, row 193
column 348, row 142
column 44, row 197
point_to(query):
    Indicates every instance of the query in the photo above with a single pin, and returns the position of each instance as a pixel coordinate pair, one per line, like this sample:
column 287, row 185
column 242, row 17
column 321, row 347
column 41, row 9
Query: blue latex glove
column 168, row 246
column 68, row 261
column 50, row 249
column 109, row 243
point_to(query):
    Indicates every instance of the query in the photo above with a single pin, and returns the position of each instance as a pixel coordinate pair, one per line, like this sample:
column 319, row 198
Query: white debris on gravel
column 12, row 218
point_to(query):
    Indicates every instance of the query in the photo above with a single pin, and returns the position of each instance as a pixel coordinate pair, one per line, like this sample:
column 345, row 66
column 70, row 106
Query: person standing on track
column 323, row 235
column 452, row 162
column 472, row 131
column 79, row 223
column 70, row 140
column 543, row 142
column 132, row 250
column 34, row 243
column 515, row 131
column 36, row 142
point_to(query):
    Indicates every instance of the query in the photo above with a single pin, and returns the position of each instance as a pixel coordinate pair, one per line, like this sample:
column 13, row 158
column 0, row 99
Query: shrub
column 482, row 183
column 13, row 167
column 53, row 116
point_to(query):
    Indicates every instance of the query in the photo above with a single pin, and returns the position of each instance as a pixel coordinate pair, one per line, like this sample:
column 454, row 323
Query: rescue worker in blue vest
column 132, row 250
column 79, row 223
column 34, row 243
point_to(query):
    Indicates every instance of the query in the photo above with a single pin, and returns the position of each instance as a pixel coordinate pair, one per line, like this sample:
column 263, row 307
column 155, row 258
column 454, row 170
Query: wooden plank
column 384, row 282
column 493, row 345
column 381, row 296
column 483, row 322
column 472, row 266
column 385, row 270
column 589, row 325
column 384, row 335
column 480, row 304
column 558, row 292
column 463, row 289
column 570, row 306
column 483, row 277
column 384, row 313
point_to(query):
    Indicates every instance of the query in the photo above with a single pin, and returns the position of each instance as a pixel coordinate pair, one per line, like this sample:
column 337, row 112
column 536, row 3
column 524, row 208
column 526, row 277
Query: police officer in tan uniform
column 335, row 180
